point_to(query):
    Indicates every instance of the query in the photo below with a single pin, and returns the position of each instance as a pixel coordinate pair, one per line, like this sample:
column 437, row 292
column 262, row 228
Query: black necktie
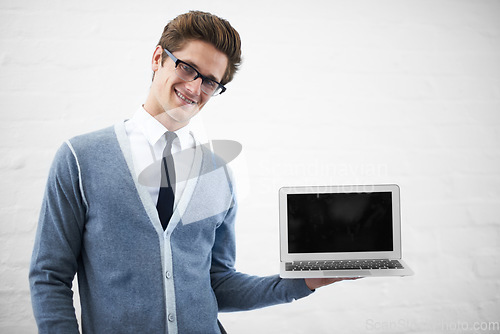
column 165, row 204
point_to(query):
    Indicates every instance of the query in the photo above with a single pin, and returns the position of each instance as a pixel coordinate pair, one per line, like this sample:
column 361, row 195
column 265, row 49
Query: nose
column 194, row 86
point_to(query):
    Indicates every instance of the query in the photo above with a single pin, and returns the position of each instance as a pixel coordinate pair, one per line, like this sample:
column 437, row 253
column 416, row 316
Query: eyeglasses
column 188, row 73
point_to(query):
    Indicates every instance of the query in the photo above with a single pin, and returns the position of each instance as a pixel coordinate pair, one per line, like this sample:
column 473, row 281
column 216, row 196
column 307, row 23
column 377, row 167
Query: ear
column 157, row 57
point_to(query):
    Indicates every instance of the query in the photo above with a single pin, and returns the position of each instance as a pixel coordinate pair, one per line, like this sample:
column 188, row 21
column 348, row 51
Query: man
column 154, row 252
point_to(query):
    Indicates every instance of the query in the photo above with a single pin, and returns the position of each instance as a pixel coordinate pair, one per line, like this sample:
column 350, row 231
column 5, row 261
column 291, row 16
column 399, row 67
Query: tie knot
column 168, row 147
column 170, row 137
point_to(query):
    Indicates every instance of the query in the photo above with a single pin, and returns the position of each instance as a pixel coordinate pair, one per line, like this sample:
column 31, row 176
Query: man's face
column 174, row 101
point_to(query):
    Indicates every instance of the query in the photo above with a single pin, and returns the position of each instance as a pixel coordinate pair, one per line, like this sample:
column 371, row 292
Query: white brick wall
column 335, row 92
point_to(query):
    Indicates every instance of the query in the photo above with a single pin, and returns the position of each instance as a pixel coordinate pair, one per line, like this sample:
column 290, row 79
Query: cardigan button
column 171, row 317
column 168, row 274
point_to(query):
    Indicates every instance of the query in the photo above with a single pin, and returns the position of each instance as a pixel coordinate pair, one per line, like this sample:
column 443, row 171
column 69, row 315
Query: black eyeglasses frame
column 198, row 74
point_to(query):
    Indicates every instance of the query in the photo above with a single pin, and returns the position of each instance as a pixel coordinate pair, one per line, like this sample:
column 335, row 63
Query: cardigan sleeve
column 56, row 250
column 237, row 291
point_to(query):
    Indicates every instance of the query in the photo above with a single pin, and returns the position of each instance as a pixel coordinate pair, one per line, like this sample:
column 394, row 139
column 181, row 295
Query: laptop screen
column 340, row 222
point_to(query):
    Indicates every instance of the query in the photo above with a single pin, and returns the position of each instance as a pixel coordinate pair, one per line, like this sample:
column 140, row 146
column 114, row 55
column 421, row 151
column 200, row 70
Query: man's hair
column 197, row 25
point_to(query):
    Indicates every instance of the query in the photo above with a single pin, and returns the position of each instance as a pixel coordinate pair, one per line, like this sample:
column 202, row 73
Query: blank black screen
column 346, row 222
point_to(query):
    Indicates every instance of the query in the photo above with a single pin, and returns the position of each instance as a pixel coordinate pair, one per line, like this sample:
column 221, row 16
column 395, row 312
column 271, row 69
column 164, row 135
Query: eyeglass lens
column 188, row 73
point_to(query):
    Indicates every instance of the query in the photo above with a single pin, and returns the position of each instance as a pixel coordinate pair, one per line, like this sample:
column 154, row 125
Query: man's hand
column 314, row 283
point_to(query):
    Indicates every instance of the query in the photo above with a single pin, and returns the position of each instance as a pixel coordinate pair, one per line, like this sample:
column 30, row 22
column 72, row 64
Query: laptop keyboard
column 342, row 265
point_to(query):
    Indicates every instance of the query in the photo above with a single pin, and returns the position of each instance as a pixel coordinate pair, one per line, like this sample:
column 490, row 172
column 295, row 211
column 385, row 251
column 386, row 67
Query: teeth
column 184, row 98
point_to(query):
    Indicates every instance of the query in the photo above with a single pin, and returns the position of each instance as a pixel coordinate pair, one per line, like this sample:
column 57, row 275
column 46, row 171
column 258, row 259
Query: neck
column 163, row 117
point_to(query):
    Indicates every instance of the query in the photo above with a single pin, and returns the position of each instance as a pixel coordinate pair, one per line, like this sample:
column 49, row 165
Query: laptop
column 340, row 231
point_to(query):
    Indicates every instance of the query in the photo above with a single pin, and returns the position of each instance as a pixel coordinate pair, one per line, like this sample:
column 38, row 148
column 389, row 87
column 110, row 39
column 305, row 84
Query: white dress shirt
column 147, row 142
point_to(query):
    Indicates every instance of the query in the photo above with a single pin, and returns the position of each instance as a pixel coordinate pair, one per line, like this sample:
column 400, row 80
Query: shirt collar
column 154, row 131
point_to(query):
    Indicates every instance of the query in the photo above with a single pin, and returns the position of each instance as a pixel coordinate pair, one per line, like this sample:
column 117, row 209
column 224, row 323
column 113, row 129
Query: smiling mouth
column 185, row 99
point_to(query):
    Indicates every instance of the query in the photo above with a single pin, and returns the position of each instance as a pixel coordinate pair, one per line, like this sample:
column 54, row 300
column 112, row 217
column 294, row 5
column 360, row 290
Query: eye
column 187, row 69
column 210, row 83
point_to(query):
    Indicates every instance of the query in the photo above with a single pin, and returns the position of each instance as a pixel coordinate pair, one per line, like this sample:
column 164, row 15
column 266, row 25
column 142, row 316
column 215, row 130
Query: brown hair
column 197, row 25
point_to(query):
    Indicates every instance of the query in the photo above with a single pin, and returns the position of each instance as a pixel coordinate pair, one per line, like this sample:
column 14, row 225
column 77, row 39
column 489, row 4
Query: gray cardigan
column 98, row 221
